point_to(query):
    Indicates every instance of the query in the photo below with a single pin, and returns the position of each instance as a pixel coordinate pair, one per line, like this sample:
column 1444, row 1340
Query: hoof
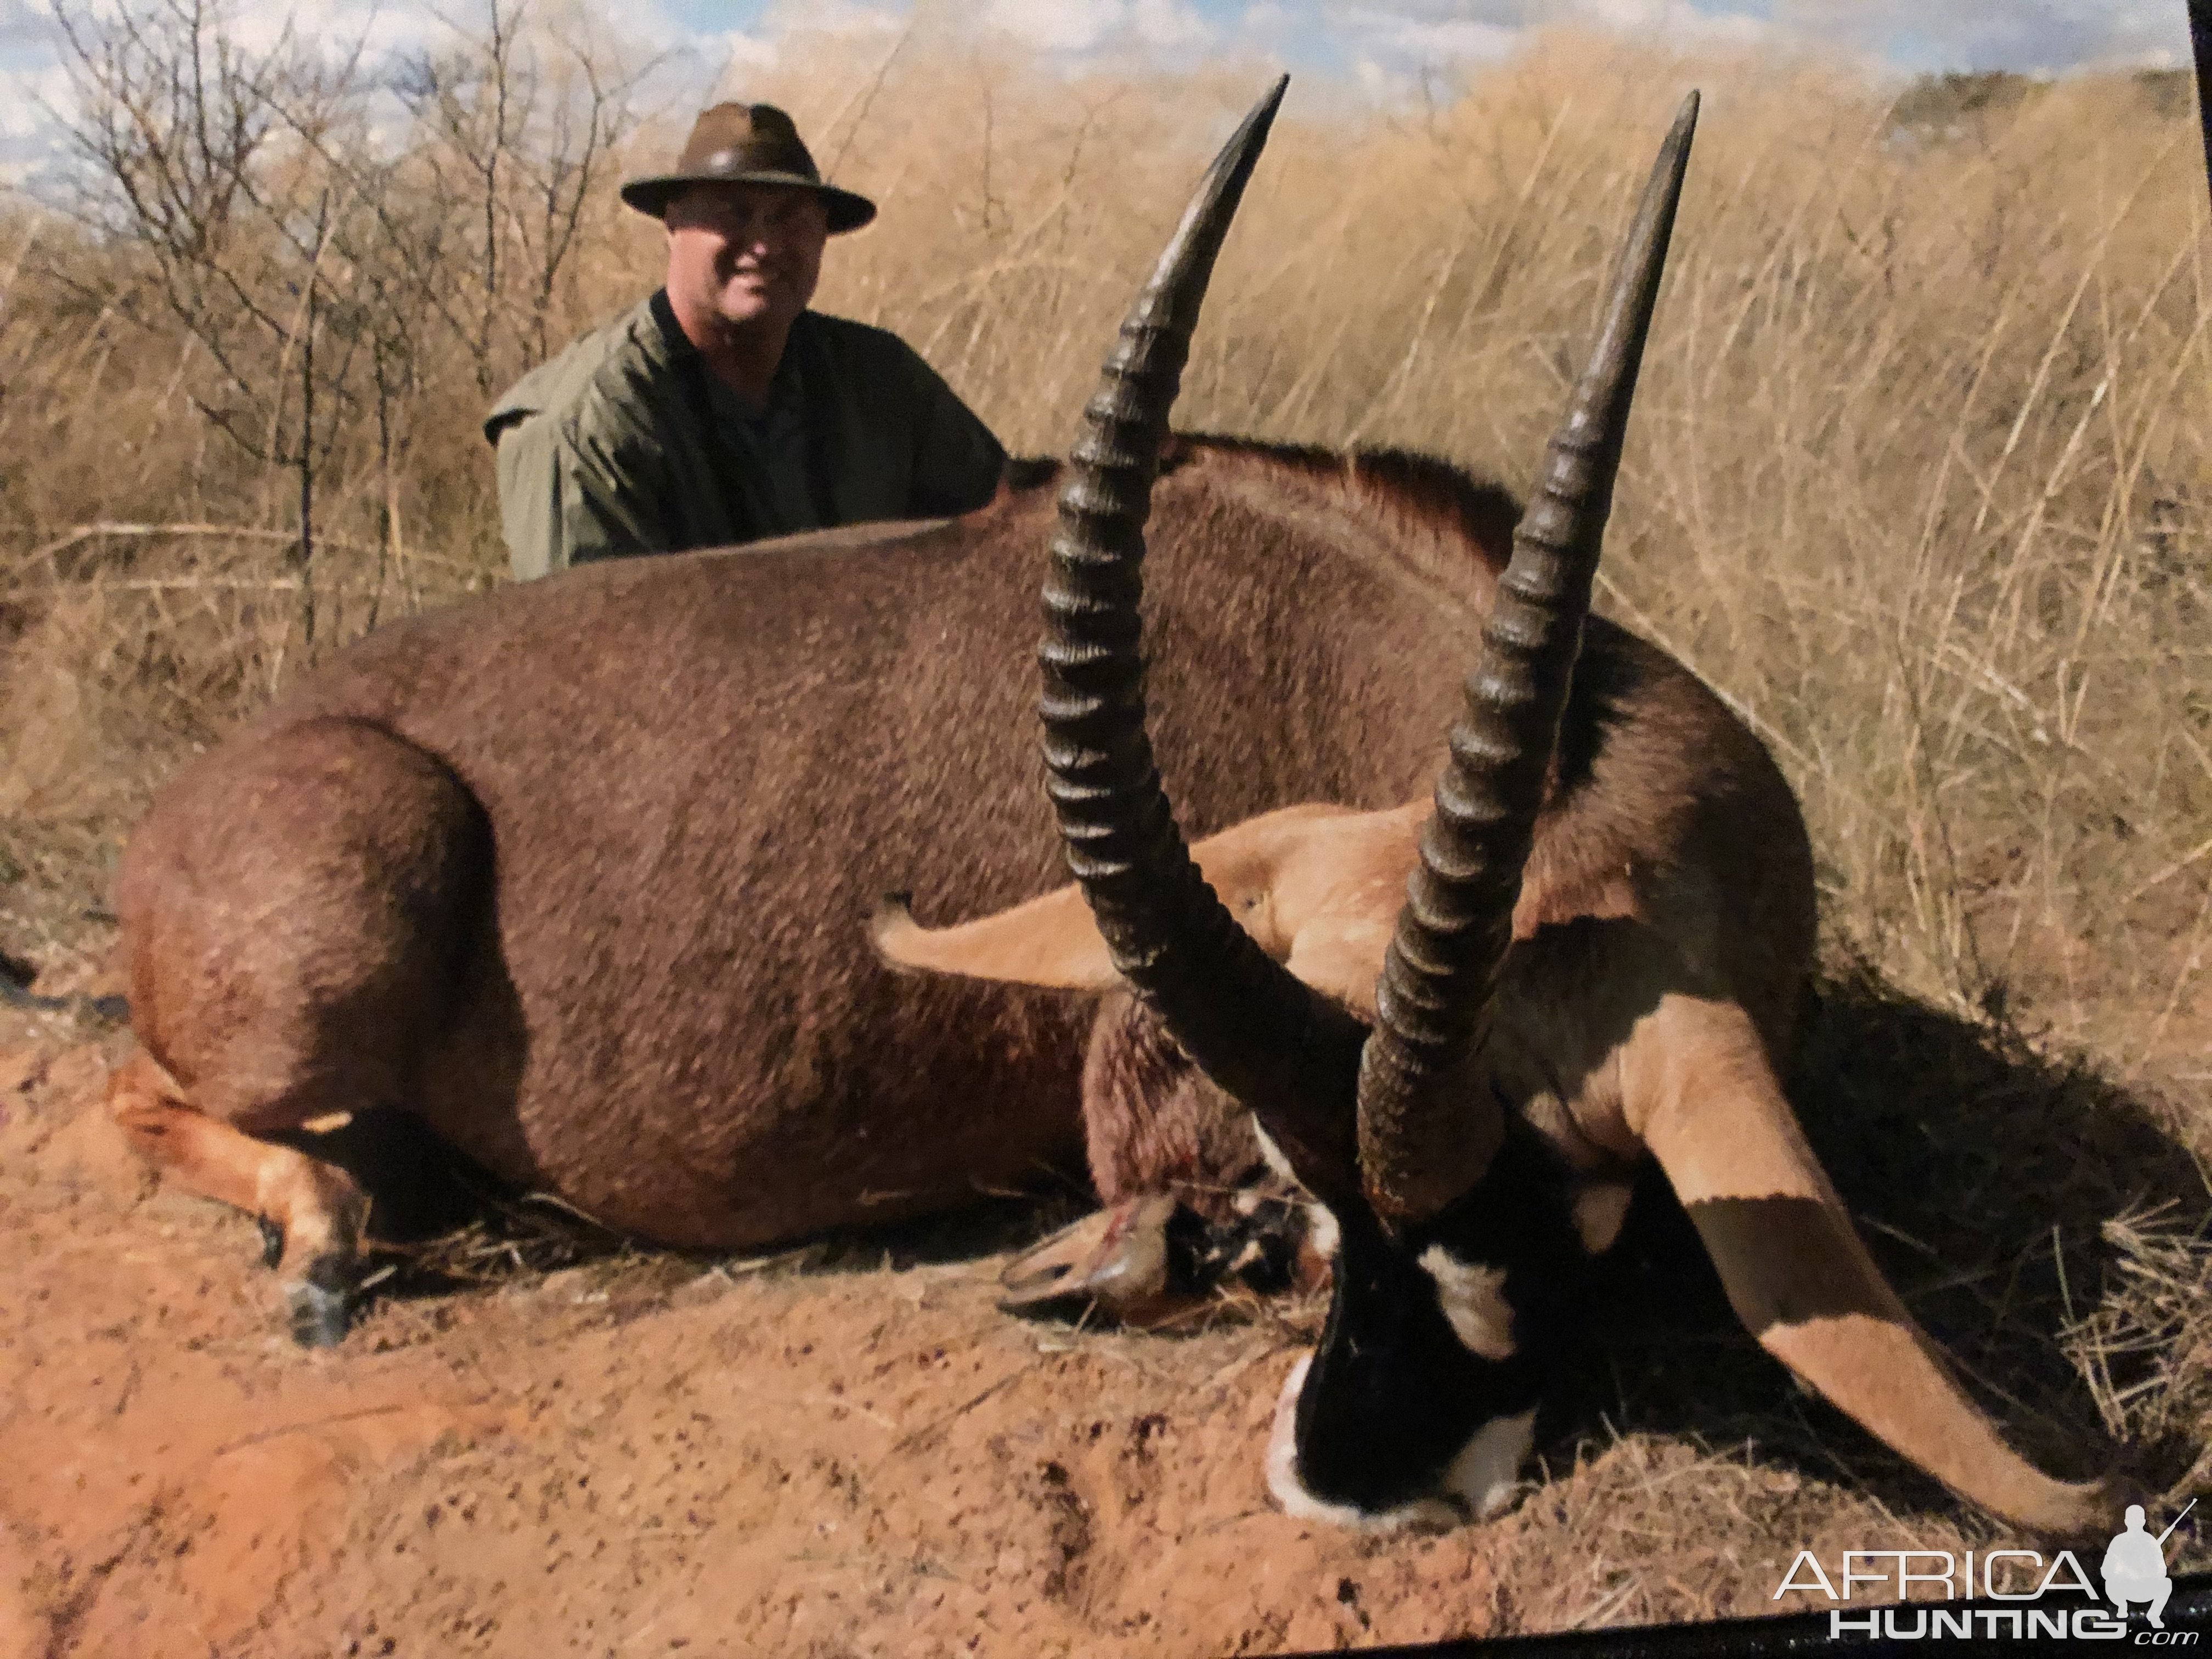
column 1150, row 1259
column 1115, row 1261
column 319, row 1307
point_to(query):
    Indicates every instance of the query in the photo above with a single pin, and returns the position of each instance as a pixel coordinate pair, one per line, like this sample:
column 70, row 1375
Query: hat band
column 756, row 161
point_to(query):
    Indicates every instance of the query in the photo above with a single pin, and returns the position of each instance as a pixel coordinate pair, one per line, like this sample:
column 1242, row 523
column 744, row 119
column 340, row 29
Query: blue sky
column 2050, row 35
column 1382, row 45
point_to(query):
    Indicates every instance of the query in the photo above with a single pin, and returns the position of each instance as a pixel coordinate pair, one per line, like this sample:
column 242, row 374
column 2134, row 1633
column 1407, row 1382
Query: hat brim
column 651, row 195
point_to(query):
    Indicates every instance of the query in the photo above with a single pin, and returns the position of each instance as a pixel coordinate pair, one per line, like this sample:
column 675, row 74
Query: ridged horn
column 1278, row 1047
column 1424, row 1142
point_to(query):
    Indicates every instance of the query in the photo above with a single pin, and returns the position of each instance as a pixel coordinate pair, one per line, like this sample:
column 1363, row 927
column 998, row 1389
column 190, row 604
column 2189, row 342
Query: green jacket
column 625, row 443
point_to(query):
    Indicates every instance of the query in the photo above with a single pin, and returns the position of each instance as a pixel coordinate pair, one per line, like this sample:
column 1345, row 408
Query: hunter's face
column 748, row 254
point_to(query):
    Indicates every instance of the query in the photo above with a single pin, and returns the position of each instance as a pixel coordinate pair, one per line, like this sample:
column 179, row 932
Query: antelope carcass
column 1461, row 1024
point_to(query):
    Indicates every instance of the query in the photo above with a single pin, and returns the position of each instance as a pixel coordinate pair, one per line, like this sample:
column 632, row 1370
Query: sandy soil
column 643, row 1455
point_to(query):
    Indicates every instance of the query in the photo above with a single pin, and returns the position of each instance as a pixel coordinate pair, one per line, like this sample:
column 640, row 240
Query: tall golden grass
column 1918, row 478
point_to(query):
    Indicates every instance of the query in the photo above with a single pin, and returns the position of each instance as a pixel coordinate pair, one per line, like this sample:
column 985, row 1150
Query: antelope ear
column 1050, row 942
column 1699, row 1090
column 1340, row 955
column 1322, row 852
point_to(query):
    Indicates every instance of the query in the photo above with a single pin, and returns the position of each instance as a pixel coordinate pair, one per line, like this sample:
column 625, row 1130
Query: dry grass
column 1919, row 481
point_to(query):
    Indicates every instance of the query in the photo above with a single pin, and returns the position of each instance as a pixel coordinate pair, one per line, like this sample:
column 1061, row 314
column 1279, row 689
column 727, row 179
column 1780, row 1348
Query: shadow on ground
column 1987, row 1179
column 440, row 1224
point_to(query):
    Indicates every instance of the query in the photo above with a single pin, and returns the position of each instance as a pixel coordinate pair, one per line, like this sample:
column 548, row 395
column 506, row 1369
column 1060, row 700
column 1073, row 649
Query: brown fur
column 577, row 872
column 1665, row 811
column 1152, row 1121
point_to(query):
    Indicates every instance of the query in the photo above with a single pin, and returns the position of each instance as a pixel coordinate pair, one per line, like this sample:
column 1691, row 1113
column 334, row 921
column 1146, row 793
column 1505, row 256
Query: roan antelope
column 1462, row 1025
column 576, row 874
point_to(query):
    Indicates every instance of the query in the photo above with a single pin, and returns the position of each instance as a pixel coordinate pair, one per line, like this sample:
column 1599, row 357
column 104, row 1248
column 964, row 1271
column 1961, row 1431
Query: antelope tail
column 1700, row 1092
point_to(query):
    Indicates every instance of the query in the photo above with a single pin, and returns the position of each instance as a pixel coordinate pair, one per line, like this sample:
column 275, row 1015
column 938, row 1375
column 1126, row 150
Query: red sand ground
column 630, row 1459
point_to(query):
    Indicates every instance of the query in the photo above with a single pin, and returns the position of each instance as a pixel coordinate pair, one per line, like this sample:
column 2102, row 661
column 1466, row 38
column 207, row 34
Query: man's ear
column 1050, row 942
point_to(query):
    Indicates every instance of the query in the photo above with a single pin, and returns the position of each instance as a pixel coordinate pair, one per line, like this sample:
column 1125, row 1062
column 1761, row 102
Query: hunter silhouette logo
column 2135, row 1565
column 1996, row 1596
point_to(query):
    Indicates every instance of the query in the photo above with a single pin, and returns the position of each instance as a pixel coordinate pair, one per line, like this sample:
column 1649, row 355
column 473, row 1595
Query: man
column 722, row 409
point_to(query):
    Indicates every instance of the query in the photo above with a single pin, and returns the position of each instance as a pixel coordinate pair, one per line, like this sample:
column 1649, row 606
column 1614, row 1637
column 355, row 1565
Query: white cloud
column 835, row 17
column 1384, row 47
column 1070, row 28
column 740, row 53
column 26, row 96
column 1914, row 34
column 1169, row 24
column 2015, row 34
column 1459, row 41
column 1437, row 40
column 1054, row 26
column 1678, row 21
column 258, row 24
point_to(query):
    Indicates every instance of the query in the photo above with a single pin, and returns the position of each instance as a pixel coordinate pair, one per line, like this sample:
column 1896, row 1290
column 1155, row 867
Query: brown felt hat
column 746, row 144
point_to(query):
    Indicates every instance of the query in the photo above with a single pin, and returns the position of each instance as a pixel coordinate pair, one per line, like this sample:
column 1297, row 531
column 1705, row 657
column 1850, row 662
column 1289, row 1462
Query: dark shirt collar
column 786, row 386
